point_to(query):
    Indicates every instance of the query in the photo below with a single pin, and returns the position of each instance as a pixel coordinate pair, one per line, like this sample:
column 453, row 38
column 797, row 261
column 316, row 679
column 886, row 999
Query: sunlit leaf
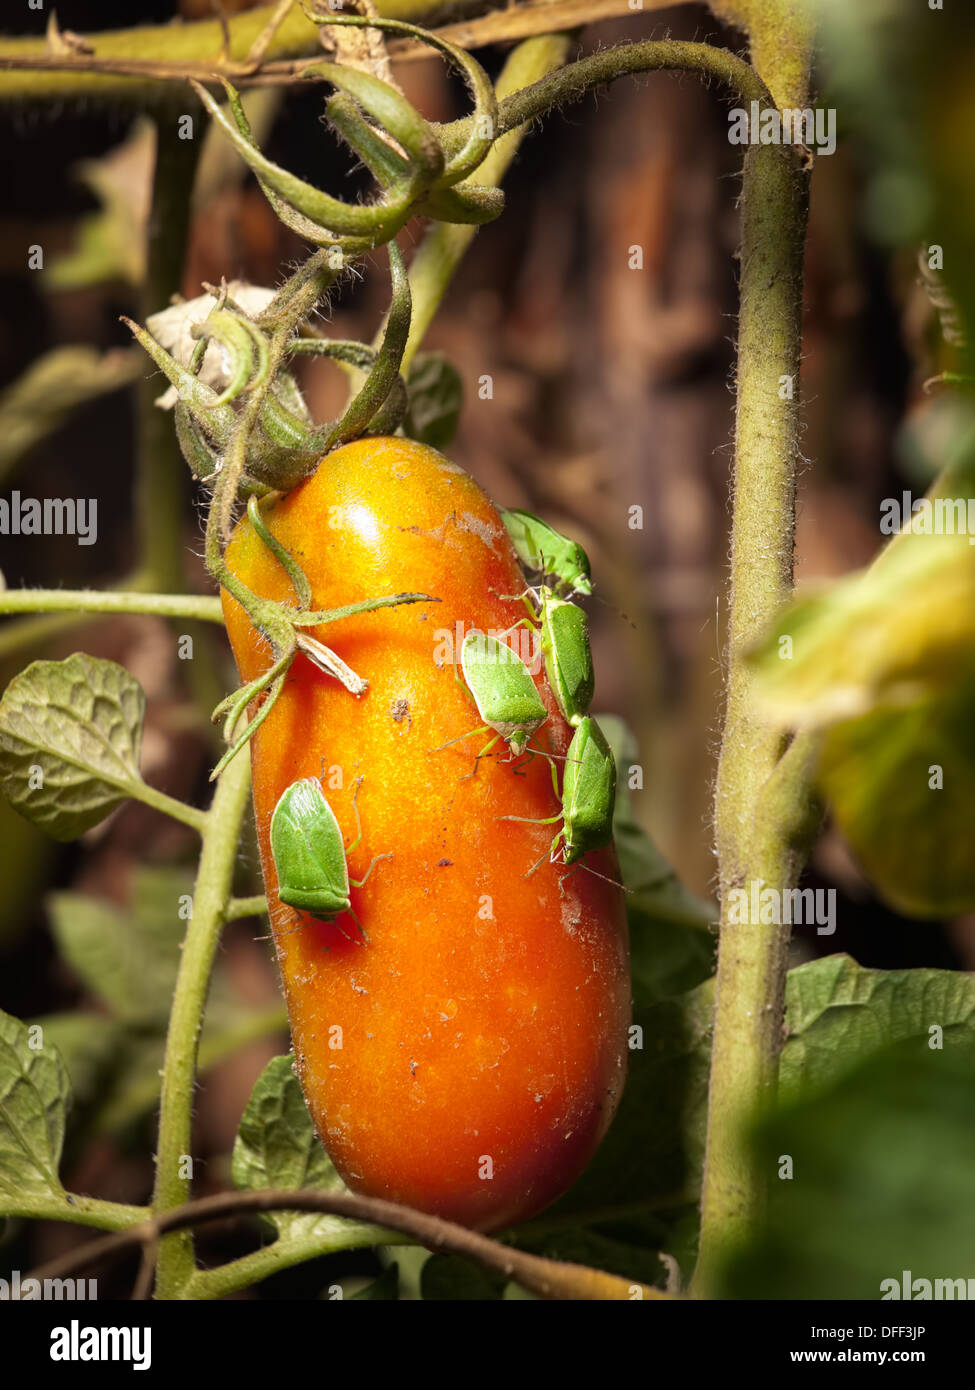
column 70, row 733
column 34, row 1096
column 901, row 785
column 51, row 388
column 889, row 635
column 838, row 1013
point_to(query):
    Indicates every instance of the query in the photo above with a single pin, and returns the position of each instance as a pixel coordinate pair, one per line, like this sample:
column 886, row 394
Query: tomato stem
column 763, row 818
column 211, row 896
column 158, row 496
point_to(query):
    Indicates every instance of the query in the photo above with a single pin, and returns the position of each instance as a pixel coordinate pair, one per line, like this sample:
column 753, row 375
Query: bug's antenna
column 605, row 877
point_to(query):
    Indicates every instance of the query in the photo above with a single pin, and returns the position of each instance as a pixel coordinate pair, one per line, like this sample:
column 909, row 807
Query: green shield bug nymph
column 588, row 797
column 588, row 793
column 568, row 659
column 310, row 855
column 541, row 548
column 501, row 687
column 564, row 635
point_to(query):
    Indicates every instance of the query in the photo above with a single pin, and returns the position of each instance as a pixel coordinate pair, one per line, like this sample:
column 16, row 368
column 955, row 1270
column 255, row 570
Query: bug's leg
column 483, row 754
column 555, row 780
column 358, row 882
column 522, row 760
column 458, row 677
column 532, row 625
column 563, row 877
column 533, row 820
column 605, row 877
column 537, row 864
column 297, row 926
column 548, row 852
column 358, row 823
column 522, row 622
column 470, row 734
column 358, row 925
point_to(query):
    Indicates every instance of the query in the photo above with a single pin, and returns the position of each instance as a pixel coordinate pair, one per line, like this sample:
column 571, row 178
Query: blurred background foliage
column 611, row 391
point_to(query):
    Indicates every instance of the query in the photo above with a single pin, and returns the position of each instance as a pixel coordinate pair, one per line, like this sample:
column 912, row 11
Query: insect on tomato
column 468, row 1056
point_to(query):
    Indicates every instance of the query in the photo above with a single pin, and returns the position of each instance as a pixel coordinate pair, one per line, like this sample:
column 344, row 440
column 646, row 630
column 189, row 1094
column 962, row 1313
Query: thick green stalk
column 77, row 1210
column 753, row 847
column 213, row 886
column 656, row 55
column 195, row 607
column 198, row 42
column 161, row 471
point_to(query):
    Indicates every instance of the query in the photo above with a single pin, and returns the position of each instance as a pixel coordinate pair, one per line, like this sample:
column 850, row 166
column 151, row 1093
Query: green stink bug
column 588, row 796
column 501, row 687
column 310, row 855
column 564, row 635
column 541, row 548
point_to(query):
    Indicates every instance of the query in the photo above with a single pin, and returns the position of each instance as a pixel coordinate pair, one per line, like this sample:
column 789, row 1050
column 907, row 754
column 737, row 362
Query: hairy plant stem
column 76, row 1210
column 120, row 71
column 160, row 469
column 195, row 607
column 753, row 846
column 213, row 887
column 545, row 1277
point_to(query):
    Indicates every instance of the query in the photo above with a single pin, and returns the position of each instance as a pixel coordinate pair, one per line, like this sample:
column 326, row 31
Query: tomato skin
column 468, row 1057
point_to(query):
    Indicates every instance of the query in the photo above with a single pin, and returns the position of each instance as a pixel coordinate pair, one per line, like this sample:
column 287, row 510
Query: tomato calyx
column 287, row 446
column 281, row 626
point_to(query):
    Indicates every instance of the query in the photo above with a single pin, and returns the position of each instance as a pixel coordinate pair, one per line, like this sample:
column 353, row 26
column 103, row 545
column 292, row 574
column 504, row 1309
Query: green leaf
column 51, row 388
column 912, row 838
column 34, row 1096
column 111, row 242
column 838, row 1014
column 277, row 1146
column 89, row 1045
column 70, row 733
column 888, row 636
column 672, row 947
column 640, row 1189
column 883, row 663
column 654, row 1151
column 882, row 1182
column 129, row 957
column 436, row 396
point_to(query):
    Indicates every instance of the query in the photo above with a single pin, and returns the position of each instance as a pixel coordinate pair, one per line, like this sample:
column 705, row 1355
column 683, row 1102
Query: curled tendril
column 415, row 172
column 329, row 217
column 483, row 119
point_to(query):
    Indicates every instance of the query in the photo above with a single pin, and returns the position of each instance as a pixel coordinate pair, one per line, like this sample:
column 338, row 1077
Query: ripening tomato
column 467, row 1056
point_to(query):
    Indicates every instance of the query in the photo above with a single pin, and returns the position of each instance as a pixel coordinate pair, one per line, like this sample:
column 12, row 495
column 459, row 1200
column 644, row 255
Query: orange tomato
column 468, row 1056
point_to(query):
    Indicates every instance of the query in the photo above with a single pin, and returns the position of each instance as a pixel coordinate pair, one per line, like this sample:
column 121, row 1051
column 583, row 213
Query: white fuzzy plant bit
column 172, row 329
